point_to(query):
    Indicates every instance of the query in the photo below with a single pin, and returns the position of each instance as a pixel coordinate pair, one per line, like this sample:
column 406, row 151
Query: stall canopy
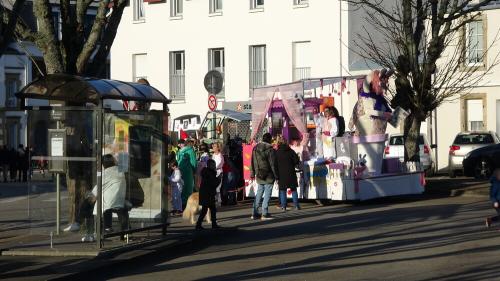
column 67, row 87
column 234, row 115
column 292, row 96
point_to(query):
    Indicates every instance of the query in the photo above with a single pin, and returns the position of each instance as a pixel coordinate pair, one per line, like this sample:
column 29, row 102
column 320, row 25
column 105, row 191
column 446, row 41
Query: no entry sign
column 212, row 102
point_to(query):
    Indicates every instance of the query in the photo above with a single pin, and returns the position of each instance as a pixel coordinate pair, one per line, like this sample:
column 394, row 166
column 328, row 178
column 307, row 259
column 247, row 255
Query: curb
column 109, row 260
column 458, row 193
column 165, row 249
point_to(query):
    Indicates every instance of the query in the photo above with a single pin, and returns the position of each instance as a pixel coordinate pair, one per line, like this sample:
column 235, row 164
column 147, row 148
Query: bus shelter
column 97, row 163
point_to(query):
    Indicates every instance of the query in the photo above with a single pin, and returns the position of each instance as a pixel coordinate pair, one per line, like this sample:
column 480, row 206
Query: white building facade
column 174, row 43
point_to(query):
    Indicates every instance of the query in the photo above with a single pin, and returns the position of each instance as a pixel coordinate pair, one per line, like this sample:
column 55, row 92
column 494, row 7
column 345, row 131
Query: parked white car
column 395, row 149
column 464, row 143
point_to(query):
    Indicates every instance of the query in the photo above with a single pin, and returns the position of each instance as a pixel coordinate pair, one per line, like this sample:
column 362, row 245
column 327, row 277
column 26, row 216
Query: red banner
column 247, row 160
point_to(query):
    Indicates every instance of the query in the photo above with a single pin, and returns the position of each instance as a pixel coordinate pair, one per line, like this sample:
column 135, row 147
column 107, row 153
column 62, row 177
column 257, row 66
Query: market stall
column 350, row 167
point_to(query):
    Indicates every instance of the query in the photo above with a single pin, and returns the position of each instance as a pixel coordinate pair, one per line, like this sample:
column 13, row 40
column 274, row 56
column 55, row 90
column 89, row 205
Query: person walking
column 21, row 153
column 219, row 164
column 494, row 197
column 13, row 164
column 202, row 163
column 288, row 160
column 176, row 185
column 263, row 170
column 208, row 188
column 4, row 162
column 187, row 164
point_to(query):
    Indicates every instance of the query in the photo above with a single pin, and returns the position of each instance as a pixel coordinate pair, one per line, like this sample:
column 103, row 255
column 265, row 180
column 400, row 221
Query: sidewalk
column 180, row 237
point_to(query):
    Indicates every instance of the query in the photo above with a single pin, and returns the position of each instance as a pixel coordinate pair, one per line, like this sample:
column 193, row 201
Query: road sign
column 214, row 82
column 212, row 102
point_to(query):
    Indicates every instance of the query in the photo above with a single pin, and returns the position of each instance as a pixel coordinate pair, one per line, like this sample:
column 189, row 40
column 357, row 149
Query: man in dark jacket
column 4, row 161
column 263, row 170
column 208, row 190
column 13, row 159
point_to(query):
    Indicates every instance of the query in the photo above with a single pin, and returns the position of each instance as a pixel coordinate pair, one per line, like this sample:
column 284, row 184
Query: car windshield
column 399, row 140
column 474, row 139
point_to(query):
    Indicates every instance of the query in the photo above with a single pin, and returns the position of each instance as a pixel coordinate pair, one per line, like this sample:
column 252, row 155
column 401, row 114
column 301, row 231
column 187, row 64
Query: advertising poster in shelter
column 131, row 139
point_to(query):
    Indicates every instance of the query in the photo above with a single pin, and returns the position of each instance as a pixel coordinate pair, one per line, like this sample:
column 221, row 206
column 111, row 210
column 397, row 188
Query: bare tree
column 76, row 52
column 9, row 13
column 424, row 41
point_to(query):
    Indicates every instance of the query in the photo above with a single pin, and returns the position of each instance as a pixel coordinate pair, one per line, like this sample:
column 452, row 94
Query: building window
column 139, row 12
column 256, row 4
column 475, row 43
column 300, row 2
column 12, row 86
column 177, row 78
column 301, row 60
column 215, row 6
column 216, row 61
column 175, row 8
column 475, row 121
column 258, row 66
column 140, row 66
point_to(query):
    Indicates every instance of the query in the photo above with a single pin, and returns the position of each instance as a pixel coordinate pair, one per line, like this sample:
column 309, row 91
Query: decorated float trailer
column 350, row 167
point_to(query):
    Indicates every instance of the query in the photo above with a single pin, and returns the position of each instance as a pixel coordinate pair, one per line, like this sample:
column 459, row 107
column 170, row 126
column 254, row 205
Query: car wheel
column 482, row 169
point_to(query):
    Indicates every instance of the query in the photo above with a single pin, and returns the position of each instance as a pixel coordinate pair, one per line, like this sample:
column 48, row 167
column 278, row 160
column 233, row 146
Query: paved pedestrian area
column 427, row 237
column 393, row 239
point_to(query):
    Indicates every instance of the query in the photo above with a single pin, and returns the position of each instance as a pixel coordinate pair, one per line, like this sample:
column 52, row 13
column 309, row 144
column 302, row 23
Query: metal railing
column 257, row 78
column 177, row 86
column 300, row 73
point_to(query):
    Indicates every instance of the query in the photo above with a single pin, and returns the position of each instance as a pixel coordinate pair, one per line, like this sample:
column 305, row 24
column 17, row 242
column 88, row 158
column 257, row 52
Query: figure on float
column 369, row 119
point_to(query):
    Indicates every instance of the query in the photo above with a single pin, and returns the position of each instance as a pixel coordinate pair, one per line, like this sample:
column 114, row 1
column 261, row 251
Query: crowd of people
column 187, row 161
column 14, row 163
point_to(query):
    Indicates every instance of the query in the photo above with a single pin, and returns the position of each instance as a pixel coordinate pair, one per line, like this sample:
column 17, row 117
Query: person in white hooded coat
column 113, row 194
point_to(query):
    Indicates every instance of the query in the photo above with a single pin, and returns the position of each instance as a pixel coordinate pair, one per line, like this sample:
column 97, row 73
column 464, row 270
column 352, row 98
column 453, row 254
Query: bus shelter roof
column 65, row 87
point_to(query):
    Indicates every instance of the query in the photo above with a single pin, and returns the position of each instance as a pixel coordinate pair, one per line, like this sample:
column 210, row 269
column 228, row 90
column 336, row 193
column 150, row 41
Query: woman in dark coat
column 208, row 190
column 287, row 160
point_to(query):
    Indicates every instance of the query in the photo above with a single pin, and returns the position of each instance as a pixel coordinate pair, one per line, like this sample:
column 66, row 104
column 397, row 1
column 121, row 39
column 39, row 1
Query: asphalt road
column 416, row 238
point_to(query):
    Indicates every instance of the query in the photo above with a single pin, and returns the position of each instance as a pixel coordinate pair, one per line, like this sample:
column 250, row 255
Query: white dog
column 193, row 208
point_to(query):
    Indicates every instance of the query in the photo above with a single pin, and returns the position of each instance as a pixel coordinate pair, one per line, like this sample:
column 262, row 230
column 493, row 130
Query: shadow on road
column 409, row 237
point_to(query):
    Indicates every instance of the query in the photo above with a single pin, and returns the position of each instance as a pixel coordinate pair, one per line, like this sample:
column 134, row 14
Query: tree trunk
column 47, row 42
column 412, row 133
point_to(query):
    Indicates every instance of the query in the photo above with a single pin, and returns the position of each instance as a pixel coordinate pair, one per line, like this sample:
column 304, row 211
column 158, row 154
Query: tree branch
column 98, row 64
column 8, row 28
column 93, row 39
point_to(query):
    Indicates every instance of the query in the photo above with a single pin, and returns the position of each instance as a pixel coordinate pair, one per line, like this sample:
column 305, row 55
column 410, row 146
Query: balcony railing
column 257, row 78
column 300, row 73
column 177, row 87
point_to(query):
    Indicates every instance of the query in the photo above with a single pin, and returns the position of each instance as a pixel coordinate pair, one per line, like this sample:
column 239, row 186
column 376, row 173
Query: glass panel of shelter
column 62, row 157
column 61, row 193
column 134, row 143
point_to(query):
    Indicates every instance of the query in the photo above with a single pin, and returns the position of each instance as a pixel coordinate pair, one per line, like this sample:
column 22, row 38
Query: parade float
column 350, row 167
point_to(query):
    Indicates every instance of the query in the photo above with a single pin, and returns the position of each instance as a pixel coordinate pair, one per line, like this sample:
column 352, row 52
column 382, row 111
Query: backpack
column 341, row 126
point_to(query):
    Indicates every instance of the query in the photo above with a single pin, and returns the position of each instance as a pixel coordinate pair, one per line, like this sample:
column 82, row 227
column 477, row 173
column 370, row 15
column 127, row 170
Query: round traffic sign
column 212, row 102
column 213, row 82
